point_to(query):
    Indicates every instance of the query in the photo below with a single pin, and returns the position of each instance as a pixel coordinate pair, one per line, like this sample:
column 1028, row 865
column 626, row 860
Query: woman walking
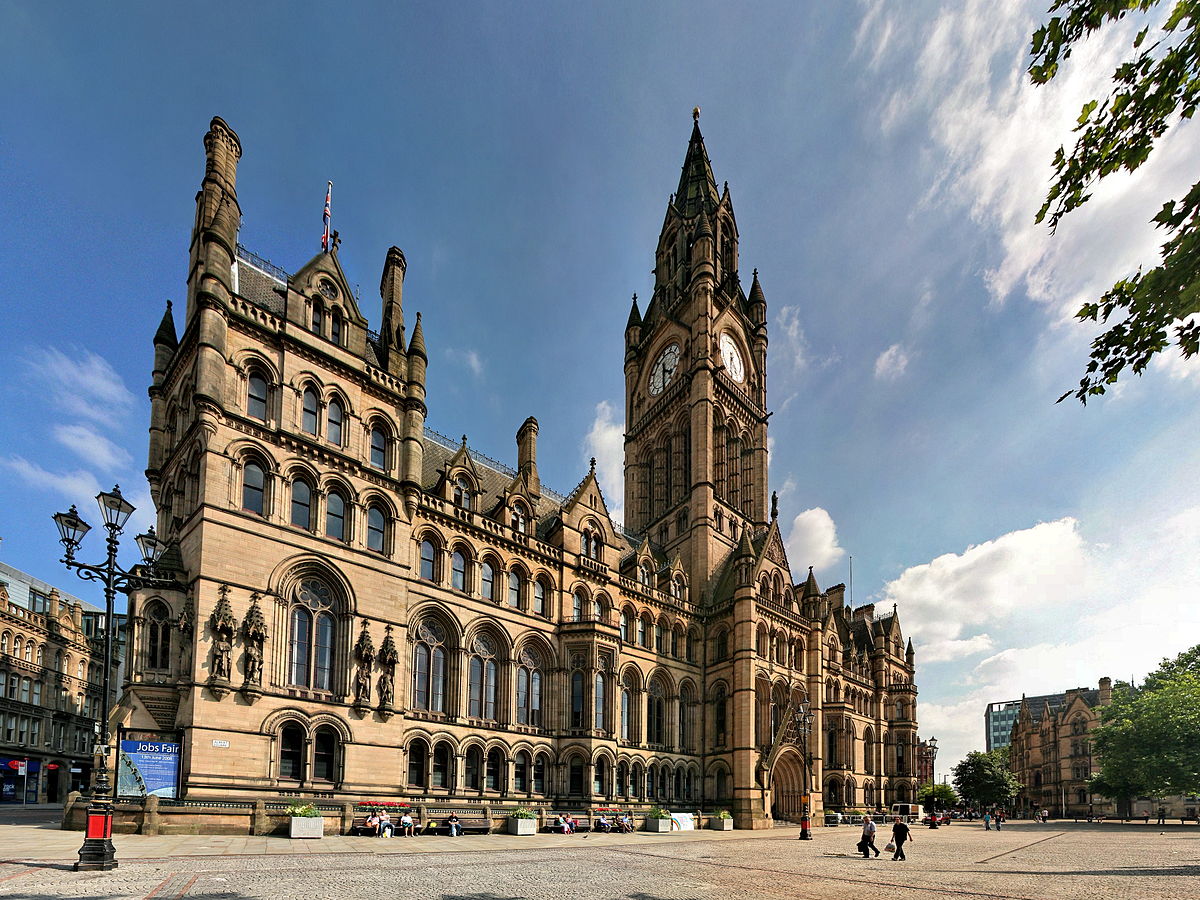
column 900, row 834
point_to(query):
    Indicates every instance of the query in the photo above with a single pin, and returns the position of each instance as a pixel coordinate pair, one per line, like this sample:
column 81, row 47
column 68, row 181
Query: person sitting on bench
column 453, row 826
column 602, row 824
column 387, row 828
column 406, row 824
column 371, row 826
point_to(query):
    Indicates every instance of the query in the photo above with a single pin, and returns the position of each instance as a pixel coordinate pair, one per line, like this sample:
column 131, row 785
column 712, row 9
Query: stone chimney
column 527, row 453
column 1105, row 691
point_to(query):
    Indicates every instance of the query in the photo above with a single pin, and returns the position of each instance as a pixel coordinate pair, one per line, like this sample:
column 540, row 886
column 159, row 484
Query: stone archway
column 787, row 783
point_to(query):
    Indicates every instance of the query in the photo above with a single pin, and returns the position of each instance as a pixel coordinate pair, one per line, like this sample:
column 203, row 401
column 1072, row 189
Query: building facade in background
column 51, row 680
column 999, row 718
column 369, row 609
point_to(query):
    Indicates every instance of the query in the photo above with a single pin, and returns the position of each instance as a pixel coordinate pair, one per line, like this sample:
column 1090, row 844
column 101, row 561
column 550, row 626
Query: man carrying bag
column 867, row 843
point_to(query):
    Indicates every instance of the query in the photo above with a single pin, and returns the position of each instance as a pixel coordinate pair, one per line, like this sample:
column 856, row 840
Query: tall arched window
column 575, row 773
column 254, row 482
column 598, row 703
column 521, row 772
column 301, row 504
column 318, row 316
column 418, row 757
column 378, row 447
column 335, row 327
column 520, row 517
column 428, row 561
column 482, row 680
column 539, row 597
column 308, row 420
column 488, row 581
column 599, row 776
column 720, row 717
column 622, row 787
column 335, row 516
column 376, row 528
column 473, row 769
column 577, row 717
column 441, row 766
column 529, row 690
column 312, row 636
column 626, row 713
column 624, row 625
column 291, row 752
column 540, row 765
column 325, row 752
column 462, row 493
column 686, row 711
column 158, row 638
column 514, row 589
column 429, row 667
column 495, row 764
column 256, row 397
column 335, row 417
column 458, row 571
column 656, row 714
column 577, row 607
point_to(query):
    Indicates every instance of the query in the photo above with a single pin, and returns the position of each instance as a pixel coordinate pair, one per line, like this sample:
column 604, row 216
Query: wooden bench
column 362, row 812
column 580, row 816
column 472, row 820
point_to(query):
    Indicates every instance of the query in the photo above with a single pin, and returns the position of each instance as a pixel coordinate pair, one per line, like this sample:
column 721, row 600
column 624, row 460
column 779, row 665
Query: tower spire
column 696, row 183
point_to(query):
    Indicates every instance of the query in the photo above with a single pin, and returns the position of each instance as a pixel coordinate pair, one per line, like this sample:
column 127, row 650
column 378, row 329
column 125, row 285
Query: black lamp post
column 803, row 725
column 931, row 749
column 97, row 850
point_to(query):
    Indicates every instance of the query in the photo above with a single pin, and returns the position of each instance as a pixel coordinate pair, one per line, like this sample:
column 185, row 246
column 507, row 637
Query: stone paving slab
column 1024, row 862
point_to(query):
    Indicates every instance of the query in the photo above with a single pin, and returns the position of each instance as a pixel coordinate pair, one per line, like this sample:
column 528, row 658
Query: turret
column 165, row 345
column 633, row 327
column 413, row 439
column 756, row 303
column 704, row 249
column 527, row 454
column 391, row 290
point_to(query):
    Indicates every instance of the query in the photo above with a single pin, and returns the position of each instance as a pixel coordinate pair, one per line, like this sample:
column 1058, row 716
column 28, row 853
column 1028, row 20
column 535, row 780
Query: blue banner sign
column 148, row 767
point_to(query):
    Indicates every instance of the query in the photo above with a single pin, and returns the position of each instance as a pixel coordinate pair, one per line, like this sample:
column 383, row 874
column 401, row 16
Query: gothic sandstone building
column 367, row 609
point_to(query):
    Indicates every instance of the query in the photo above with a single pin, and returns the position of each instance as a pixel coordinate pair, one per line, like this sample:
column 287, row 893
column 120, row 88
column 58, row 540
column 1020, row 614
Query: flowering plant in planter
column 302, row 811
column 722, row 814
column 657, row 812
column 523, row 812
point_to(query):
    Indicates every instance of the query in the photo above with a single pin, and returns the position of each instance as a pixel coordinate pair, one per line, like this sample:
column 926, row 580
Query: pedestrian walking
column 1162, row 815
column 987, row 821
column 867, row 843
column 900, row 834
column 999, row 819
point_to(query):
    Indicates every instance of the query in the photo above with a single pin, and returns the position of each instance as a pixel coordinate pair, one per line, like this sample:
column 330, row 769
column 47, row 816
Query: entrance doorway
column 787, row 782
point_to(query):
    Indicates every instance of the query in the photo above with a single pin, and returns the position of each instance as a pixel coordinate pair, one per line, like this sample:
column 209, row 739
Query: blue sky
column 885, row 164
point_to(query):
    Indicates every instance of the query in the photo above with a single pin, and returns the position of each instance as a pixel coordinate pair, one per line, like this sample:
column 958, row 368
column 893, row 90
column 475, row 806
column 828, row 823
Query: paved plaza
column 1025, row 861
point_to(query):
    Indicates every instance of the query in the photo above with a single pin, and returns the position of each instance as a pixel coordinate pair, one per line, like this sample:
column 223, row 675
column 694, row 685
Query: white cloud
column 985, row 585
column 606, row 442
column 468, row 358
column 891, row 363
column 82, row 384
column 1173, row 363
column 91, row 446
column 795, row 344
column 813, row 541
column 78, row 487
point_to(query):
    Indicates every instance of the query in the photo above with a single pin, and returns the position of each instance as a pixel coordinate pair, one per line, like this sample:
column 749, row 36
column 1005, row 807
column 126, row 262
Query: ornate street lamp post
column 803, row 725
column 97, row 850
column 931, row 749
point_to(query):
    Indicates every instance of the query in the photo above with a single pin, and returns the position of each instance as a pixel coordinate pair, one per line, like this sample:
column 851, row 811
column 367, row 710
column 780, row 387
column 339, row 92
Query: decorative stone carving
column 223, row 627
column 186, row 626
column 254, row 636
column 364, row 653
column 388, row 658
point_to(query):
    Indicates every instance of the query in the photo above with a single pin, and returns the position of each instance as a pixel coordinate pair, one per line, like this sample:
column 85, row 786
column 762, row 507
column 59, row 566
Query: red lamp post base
column 97, row 852
column 805, row 827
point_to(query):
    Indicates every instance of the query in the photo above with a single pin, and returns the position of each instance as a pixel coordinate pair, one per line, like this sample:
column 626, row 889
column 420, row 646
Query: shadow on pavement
column 1139, row 871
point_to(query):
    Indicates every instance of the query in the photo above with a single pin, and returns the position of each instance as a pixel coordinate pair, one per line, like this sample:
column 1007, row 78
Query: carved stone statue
column 385, row 689
column 364, row 652
column 254, row 634
column 223, row 627
column 186, row 627
column 388, row 657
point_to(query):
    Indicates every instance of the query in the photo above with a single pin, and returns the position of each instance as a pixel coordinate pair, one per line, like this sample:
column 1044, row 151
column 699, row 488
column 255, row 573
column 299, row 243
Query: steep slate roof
column 697, row 187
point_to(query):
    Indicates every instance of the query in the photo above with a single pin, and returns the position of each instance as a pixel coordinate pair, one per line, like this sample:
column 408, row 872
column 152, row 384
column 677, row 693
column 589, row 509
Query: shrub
column 722, row 814
column 657, row 812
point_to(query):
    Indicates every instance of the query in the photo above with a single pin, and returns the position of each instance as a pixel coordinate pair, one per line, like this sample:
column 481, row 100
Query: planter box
column 306, row 827
column 522, row 826
column 660, row 825
column 720, row 824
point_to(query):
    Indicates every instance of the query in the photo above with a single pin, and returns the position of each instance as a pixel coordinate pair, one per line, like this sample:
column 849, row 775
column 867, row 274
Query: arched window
column 335, row 327
column 625, row 625
column 312, row 636
column 4, row 638
column 318, row 316
column 254, row 482
column 577, row 717
column 622, row 786
column 599, row 776
column 482, row 681
column 458, row 571
column 721, row 648
column 720, row 717
column 598, row 703
column 585, row 544
column 521, row 772
column 325, row 753
column 577, row 607
column 418, row 756
column 626, row 713
column 308, row 420
column 520, row 518
column 660, row 642
column 575, row 772
column 514, row 589
column 378, row 447
column 441, row 766
column 686, row 709
column 488, row 581
column 529, row 690
column 335, row 416
column 376, row 528
column 722, row 783
column 291, row 752
column 539, row 597
column 429, row 667
column 335, row 516
column 301, row 504
column 462, row 493
column 256, row 397
column 652, row 780
column 495, row 763
column 473, row 769
column 540, row 765
column 597, row 609
column 638, row 781
column 428, row 561
column 643, row 638
column 158, row 639
column 656, row 714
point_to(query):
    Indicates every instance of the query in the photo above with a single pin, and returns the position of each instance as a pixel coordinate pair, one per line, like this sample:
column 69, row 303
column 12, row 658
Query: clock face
column 732, row 358
column 664, row 369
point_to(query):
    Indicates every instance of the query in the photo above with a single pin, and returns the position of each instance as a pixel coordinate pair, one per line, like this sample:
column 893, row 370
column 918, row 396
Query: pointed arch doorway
column 787, row 782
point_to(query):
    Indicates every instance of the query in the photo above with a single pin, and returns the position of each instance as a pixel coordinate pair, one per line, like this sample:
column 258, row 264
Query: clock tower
column 695, row 384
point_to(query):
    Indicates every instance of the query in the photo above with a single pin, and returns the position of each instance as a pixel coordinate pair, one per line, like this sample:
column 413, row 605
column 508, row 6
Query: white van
column 909, row 812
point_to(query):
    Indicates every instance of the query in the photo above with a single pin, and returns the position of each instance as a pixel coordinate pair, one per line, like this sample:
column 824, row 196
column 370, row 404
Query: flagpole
column 327, row 216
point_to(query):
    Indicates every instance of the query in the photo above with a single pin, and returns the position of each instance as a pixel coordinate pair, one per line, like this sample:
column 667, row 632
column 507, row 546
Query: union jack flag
column 325, row 236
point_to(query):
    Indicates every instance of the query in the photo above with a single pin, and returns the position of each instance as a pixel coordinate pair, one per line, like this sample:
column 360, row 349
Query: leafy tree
column 1148, row 741
column 937, row 796
column 984, row 778
column 1152, row 91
